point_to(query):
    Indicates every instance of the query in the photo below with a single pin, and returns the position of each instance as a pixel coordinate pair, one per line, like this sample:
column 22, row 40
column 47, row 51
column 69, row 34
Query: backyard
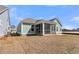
column 40, row 44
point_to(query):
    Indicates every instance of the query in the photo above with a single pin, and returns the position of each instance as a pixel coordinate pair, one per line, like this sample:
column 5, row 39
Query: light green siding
column 58, row 27
column 31, row 28
column 19, row 28
column 25, row 28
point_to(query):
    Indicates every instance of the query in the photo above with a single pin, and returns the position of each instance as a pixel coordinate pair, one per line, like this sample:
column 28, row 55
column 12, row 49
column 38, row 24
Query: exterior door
column 53, row 29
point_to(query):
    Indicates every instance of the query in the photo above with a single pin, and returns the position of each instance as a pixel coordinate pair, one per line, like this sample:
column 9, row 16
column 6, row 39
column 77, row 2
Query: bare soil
column 52, row 44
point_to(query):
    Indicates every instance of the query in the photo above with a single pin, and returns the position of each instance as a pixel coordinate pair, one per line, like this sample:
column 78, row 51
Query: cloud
column 13, row 14
column 52, row 17
column 44, row 17
column 19, row 18
column 75, row 19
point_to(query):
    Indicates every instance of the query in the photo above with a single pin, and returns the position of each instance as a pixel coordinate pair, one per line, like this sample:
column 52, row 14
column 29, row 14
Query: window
column 57, row 28
column 47, row 28
column 53, row 28
column 60, row 29
column 32, row 28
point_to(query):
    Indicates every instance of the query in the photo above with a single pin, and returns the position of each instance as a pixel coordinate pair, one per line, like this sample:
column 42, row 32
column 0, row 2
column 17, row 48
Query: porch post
column 34, row 28
column 43, row 30
column 50, row 29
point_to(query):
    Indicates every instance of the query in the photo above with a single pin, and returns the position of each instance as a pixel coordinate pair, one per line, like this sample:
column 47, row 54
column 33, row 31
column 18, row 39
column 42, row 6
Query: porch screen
column 47, row 28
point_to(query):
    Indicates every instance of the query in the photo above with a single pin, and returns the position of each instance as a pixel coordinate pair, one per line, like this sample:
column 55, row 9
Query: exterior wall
column 19, row 28
column 4, row 23
column 26, row 29
column 47, row 28
column 52, row 29
column 39, row 29
column 58, row 28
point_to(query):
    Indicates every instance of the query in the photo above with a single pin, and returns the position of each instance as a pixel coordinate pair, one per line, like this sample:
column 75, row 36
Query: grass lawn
column 40, row 44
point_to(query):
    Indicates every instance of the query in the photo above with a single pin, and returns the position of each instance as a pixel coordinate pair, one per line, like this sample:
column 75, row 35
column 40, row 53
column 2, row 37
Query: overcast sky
column 68, row 15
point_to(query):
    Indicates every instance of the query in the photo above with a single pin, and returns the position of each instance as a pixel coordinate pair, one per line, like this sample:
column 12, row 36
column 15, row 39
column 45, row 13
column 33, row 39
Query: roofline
column 57, row 20
column 42, row 22
column 6, row 8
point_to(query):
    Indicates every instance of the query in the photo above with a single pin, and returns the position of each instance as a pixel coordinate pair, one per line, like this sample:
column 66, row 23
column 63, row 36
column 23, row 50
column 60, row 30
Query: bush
column 15, row 34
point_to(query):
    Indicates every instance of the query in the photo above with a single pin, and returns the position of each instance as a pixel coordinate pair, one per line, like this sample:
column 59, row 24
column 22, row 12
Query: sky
column 68, row 15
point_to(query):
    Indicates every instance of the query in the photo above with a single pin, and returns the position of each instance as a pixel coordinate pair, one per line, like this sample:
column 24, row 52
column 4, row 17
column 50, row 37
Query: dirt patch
column 40, row 44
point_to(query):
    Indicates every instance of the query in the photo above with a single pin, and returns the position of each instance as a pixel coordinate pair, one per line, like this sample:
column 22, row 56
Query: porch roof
column 44, row 21
column 28, row 20
column 33, row 21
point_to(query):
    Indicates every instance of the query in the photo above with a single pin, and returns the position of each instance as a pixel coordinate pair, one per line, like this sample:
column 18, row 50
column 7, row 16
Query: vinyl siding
column 58, row 28
column 19, row 28
column 26, row 29
column 4, row 23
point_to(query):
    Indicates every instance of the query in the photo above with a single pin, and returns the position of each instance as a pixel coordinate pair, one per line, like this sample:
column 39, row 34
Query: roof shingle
column 30, row 20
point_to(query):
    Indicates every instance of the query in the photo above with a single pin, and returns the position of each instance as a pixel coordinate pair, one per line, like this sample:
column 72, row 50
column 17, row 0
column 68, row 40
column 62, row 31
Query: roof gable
column 30, row 20
column 44, row 21
column 56, row 20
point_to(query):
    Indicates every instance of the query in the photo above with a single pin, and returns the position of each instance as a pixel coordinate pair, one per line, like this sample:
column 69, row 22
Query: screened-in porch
column 45, row 28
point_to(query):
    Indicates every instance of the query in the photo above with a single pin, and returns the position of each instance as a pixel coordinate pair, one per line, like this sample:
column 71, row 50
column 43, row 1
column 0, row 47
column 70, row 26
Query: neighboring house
column 13, row 29
column 73, row 31
column 39, row 27
column 4, row 20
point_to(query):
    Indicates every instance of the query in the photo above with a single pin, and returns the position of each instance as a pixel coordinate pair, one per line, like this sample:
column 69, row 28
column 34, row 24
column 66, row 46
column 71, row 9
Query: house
column 39, row 27
column 70, row 31
column 4, row 20
column 13, row 29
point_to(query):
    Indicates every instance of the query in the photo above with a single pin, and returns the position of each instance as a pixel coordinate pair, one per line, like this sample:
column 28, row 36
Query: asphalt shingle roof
column 30, row 20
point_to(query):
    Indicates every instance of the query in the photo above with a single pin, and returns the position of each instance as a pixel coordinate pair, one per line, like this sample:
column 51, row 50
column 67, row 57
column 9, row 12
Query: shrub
column 15, row 34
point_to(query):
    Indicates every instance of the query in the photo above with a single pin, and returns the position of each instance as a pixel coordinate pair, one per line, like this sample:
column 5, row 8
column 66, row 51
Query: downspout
column 9, row 21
